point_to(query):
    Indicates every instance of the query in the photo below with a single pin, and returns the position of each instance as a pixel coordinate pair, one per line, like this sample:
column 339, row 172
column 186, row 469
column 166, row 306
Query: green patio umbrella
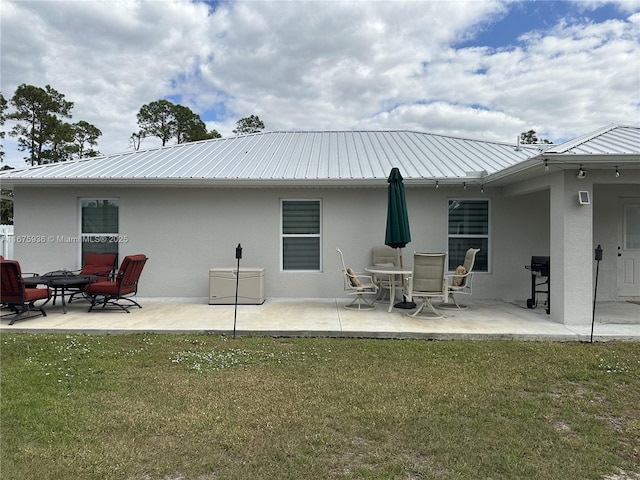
column 397, row 235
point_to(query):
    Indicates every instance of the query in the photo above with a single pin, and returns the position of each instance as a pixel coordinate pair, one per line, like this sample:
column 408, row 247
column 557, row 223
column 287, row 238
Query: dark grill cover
column 540, row 264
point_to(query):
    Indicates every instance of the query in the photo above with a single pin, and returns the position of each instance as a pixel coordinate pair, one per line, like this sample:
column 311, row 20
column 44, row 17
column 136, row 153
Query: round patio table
column 61, row 280
column 394, row 271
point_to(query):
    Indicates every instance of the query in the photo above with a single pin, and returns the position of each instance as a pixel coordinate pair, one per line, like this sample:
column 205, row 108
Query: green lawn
column 203, row 407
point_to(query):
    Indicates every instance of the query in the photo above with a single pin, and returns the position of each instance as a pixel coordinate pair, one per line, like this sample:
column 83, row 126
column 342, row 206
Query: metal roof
column 609, row 140
column 608, row 147
column 289, row 158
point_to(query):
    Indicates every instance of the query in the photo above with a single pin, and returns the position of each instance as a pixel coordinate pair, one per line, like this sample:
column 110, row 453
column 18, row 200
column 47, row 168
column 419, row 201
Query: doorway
column 629, row 248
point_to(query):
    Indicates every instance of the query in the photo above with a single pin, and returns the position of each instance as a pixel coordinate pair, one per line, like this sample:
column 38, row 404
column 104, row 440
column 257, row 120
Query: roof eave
column 536, row 165
column 513, row 172
column 9, row 184
column 604, row 159
column 189, row 182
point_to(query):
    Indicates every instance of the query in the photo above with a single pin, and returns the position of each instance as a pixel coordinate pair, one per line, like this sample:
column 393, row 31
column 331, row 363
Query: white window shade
column 301, row 232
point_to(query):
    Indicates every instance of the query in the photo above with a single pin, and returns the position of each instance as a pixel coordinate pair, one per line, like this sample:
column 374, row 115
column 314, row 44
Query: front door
column 629, row 248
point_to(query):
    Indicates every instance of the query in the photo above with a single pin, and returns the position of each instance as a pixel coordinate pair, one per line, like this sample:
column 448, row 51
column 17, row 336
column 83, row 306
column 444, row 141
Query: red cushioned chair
column 102, row 265
column 122, row 288
column 14, row 294
column 24, row 274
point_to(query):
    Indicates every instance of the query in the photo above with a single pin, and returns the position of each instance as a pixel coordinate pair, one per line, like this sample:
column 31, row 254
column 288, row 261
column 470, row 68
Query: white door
column 629, row 248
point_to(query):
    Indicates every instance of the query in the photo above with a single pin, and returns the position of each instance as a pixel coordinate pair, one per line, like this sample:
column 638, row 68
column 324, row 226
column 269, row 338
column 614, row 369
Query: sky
column 487, row 69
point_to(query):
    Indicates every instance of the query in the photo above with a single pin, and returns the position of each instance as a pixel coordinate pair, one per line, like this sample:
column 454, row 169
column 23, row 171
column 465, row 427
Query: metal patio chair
column 15, row 296
column 122, row 288
column 101, row 265
column 461, row 283
column 358, row 285
column 427, row 282
column 384, row 256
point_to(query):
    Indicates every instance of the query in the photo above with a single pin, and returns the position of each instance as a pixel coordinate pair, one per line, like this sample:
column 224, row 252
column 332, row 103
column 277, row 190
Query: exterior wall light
column 581, row 173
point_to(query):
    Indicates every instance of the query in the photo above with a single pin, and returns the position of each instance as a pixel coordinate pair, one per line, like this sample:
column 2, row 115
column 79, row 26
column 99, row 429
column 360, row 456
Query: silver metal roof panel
column 292, row 158
column 609, row 140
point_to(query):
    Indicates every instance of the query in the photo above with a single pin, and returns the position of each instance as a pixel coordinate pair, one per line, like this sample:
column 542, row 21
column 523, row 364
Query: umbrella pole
column 404, row 303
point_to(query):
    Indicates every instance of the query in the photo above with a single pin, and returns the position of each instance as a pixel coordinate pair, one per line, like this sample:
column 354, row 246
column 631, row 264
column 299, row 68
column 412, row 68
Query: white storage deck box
column 222, row 286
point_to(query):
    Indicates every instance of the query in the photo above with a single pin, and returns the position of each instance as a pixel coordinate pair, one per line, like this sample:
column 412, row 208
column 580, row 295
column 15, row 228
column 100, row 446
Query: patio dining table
column 390, row 270
column 59, row 281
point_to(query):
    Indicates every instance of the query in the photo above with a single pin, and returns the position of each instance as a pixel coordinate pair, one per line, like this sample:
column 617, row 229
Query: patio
column 323, row 317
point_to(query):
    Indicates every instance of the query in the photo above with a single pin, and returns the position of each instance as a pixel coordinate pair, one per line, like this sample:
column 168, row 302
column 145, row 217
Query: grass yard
column 172, row 407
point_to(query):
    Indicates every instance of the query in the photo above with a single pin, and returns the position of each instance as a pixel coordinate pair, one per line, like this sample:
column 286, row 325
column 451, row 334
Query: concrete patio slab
column 321, row 317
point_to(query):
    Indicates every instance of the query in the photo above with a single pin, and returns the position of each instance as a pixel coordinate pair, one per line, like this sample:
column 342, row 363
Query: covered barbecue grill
column 540, row 281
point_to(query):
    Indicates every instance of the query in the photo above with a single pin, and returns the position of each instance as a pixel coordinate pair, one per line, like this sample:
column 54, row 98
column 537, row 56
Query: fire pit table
column 59, row 281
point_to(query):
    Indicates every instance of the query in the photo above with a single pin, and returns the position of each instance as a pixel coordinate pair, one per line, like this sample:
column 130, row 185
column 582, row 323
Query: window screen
column 301, row 235
column 99, row 225
column 468, row 228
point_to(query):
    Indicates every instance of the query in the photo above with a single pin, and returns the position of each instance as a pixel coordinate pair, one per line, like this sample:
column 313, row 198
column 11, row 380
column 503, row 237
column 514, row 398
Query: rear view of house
column 291, row 198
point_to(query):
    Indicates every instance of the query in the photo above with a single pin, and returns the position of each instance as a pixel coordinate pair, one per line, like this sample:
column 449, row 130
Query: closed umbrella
column 397, row 234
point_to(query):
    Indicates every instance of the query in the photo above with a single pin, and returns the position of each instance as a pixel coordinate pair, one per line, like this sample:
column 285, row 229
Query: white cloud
column 629, row 6
column 329, row 64
column 109, row 58
column 324, row 65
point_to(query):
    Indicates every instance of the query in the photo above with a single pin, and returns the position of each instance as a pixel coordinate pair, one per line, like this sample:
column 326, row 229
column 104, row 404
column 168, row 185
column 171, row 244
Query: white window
column 99, row 225
column 301, row 233
column 468, row 228
column 631, row 227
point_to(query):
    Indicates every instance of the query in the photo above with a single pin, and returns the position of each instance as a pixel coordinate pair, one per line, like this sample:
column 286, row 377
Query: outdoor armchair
column 359, row 286
column 24, row 274
column 385, row 256
column 15, row 296
column 102, row 265
column 99, row 264
column 427, row 282
column 121, row 288
column 461, row 282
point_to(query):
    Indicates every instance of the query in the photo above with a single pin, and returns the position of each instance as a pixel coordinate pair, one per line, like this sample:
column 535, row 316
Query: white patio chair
column 427, row 282
column 384, row 256
column 461, row 283
column 360, row 286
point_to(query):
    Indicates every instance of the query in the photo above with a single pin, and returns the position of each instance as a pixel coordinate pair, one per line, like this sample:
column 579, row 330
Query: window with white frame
column 468, row 228
column 301, row 232
column 99, row 224
column 631, row 227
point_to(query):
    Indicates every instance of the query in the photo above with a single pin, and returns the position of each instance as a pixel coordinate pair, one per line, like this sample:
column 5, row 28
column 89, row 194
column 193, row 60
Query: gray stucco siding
column 187, row 231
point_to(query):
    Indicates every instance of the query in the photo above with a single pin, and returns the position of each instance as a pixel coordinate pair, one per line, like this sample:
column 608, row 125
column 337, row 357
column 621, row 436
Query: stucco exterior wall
column 187, row 231
column 571, row 252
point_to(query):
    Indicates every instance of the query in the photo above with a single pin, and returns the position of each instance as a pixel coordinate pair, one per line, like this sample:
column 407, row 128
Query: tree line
column 42, row 131
column 41, row 128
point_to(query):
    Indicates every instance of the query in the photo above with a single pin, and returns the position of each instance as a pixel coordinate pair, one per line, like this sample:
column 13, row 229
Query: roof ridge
column 417, row 132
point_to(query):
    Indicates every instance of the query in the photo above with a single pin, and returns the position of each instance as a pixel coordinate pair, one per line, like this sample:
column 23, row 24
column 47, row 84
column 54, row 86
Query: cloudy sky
column 481, row 68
